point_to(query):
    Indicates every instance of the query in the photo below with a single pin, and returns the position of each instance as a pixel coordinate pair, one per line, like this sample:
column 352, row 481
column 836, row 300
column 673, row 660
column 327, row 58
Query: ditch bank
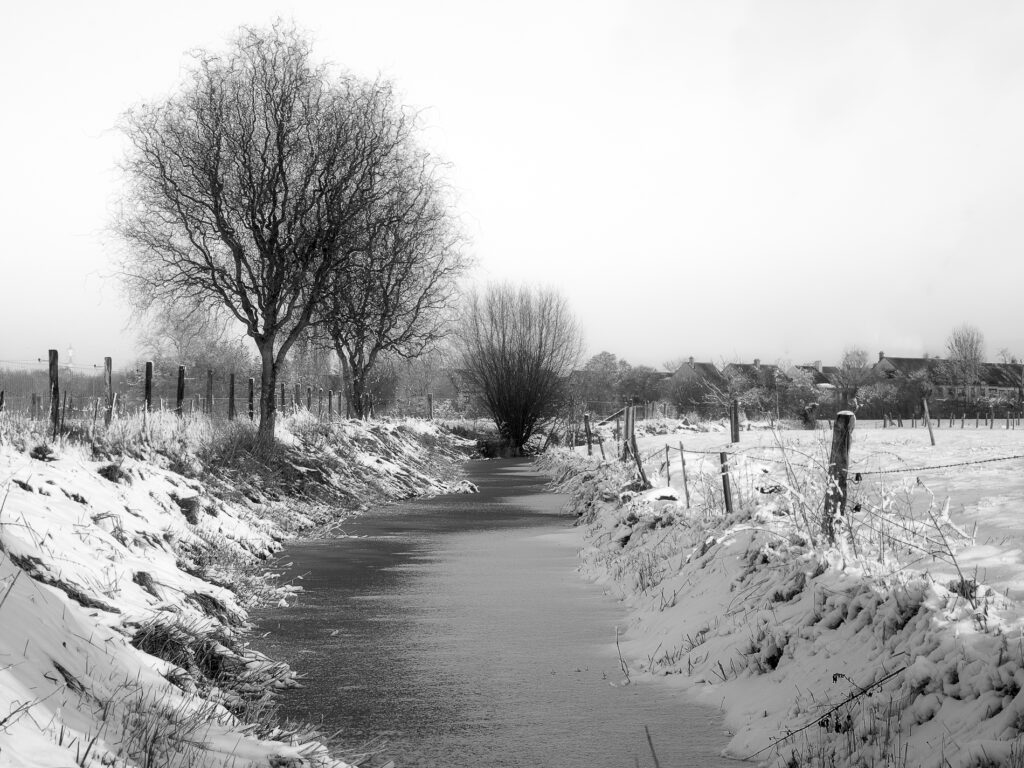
column 129, row 564
column 818, row 656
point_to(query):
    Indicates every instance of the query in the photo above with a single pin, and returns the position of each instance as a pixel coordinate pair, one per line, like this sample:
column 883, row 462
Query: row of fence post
column 56, row 411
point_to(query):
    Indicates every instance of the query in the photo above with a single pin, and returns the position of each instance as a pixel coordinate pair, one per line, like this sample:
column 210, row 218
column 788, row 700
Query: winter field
column 125, row 581
column 899, row 646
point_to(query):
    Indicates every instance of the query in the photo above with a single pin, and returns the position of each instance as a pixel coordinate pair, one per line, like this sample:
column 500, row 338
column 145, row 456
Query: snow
column 899, row 645
column 96, row 554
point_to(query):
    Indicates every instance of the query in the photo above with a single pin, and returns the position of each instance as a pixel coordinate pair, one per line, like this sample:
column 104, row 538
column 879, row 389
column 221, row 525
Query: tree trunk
column 346, row 385
column 268, row 405
column 357, row 391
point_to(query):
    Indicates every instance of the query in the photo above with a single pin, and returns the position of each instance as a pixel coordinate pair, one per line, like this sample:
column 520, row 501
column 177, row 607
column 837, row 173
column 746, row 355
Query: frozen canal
column 456, row 630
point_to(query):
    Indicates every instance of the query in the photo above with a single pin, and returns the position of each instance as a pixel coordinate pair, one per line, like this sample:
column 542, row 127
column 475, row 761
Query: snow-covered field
column 124, row 587
column 900, row 645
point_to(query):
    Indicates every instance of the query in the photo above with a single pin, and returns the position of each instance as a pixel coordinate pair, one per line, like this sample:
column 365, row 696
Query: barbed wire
column 900, row 470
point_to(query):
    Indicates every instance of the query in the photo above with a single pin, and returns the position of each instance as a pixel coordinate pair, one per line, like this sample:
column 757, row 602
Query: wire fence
column 85, row 394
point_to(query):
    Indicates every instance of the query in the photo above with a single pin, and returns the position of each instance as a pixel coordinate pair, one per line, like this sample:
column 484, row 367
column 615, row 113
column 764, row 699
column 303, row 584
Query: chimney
column 817, row 365
column 757, row 362
column 691, row 359
column 880, row 356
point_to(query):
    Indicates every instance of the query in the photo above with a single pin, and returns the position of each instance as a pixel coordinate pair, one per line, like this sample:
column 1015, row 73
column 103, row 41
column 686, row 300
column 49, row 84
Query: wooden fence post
column 309, row 398
column 108, row 385
column 319, row 402
column 2, row 402
column 927, row 421
column 54, row 392
column 838, row 464
column 668, row 467
column 734, row 420
column 586, row 427
column 179, row 397
column 430, row 405
column 147, row 389
column 639, row 462
column 252, row 398
column 726, row 487
column 686, row 485
column 209, row 391
column 330, row 405
column 231, row 396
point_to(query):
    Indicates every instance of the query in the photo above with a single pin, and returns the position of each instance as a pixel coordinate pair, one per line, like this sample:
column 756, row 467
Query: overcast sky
column 727, row 180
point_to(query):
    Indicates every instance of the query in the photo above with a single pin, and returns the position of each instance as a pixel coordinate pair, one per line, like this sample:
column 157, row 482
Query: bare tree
column 519, row 346
column 965, row 347
column 395, row 296
column 854, row 374
column 247, row 187
column 198, row 339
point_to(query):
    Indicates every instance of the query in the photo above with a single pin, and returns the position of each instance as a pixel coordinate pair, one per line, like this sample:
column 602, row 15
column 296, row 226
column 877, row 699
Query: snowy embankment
column 900, row 645
column 124, row 584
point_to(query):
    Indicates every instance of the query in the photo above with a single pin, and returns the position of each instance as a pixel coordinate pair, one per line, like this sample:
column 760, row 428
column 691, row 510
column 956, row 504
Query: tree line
column 792, row 392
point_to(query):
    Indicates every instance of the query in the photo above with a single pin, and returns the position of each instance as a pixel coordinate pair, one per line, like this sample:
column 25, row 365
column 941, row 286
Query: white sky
column 718, row 179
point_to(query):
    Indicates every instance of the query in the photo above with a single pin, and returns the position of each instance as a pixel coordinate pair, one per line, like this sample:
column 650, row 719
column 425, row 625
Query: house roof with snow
column 1001, row 375
column 893, row 367
column 820, row 375
column 761, row 373
column 992, row 375
column 693, row 370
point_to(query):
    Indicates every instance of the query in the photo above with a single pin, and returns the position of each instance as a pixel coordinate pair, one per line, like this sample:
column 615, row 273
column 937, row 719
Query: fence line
column 88, row 391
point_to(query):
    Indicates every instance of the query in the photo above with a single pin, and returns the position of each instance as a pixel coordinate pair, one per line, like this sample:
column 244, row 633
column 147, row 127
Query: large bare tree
column 519, row 346
column 394, row 297
column 248, row 186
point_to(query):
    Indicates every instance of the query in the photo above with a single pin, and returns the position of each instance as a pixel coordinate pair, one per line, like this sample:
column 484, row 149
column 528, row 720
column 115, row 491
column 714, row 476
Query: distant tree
column 601, row 375
column 881, row 394
column 519, row 347
column 196, row 337
column 965, row 348
column 854, row 373
column 641, row 383
column 422, row 375
column 249, row 185
column 689, row 394
column 200, row 340
column 1005, row 356
column 796, row 396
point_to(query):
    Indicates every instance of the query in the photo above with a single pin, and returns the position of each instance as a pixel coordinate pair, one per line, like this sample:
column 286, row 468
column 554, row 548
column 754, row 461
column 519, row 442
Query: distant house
column 823, row 377
column 700, row 373
column 1001, row 380
column 905, row 367
column 759, row 375
column 994, row 380
column 464, row 392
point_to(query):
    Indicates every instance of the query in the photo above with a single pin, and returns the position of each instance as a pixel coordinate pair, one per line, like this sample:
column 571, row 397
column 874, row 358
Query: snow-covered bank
column 899, row 646
column 124, row 585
